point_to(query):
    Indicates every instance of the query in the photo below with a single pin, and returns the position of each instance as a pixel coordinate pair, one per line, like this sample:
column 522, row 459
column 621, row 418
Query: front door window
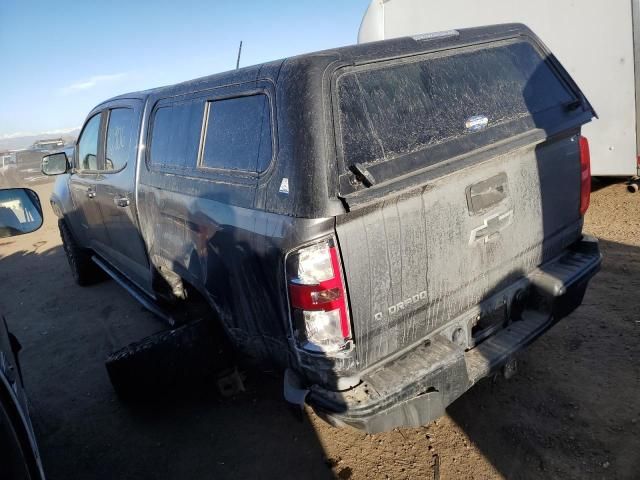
column 121, row 139
column 88, row 145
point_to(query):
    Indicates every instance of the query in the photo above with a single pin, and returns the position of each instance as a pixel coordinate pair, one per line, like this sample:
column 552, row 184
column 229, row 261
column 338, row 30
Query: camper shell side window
column 175, row 135
column 237, row 134
column 209, row 136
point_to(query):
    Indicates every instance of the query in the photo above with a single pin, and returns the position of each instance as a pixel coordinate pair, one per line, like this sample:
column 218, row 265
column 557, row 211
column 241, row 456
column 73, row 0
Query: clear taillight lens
column 319, row 311
column 319, row 331
column 314, row 264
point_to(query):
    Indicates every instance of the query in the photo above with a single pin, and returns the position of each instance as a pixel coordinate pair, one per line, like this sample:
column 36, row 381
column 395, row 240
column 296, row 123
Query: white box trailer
column 593, row 39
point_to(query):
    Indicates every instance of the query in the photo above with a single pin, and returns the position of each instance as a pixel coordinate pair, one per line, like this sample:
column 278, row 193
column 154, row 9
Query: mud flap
column 181, row 357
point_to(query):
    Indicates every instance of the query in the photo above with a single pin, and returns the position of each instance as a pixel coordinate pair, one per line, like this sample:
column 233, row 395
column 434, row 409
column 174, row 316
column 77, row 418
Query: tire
column 84, row 271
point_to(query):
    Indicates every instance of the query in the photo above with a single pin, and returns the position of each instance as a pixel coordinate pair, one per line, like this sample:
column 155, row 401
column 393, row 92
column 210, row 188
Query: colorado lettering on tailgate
column 393, row 309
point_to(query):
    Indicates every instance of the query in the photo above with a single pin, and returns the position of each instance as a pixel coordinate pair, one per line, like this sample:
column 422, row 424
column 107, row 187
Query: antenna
column 239, row 52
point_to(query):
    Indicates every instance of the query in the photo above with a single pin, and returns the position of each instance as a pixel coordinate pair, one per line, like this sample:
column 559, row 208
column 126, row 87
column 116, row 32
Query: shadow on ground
column 85, row 431
column 572, row 412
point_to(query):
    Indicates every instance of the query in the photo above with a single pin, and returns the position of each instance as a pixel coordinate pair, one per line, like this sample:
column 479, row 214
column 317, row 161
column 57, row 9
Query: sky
column 60, row 58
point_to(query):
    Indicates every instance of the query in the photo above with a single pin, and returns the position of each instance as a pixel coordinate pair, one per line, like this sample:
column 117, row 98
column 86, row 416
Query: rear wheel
column 84, row 271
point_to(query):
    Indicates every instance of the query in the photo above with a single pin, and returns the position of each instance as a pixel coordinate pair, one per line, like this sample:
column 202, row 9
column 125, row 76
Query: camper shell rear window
column 463, row 98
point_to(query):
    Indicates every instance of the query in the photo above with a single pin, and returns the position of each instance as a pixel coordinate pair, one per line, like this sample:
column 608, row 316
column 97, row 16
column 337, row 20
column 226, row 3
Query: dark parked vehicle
column 389, row 222
column 20, row 213
column 8, row 170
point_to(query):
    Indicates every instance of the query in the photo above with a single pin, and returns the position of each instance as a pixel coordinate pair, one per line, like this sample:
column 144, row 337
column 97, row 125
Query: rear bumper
column 415, row 388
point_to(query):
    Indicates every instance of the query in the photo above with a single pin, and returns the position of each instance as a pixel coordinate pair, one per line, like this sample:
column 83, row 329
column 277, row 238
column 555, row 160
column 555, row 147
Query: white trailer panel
column 593, row 39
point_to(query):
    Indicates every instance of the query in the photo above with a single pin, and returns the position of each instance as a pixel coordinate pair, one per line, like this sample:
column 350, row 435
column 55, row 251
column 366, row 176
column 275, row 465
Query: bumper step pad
column 415, row 387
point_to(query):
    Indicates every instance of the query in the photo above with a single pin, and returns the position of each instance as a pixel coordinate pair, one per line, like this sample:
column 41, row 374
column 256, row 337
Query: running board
column 145, row 300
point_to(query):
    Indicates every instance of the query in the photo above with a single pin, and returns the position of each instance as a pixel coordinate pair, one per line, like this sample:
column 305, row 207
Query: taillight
column 319, row 312
column 585, row 175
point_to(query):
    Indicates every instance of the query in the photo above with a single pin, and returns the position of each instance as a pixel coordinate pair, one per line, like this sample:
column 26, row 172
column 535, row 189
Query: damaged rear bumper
column 414, row 387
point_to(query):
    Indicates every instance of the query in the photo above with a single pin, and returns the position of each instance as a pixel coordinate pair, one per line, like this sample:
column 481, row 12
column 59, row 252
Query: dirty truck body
column 388, row 222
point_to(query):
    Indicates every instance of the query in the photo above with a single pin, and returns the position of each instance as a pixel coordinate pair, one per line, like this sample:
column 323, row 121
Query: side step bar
column 145, row 300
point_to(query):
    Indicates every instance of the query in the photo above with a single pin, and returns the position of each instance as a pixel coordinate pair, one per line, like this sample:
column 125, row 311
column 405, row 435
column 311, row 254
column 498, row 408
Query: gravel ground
column 571, row 412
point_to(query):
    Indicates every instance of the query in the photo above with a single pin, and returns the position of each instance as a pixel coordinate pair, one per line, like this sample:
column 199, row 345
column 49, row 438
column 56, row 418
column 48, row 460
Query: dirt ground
column 571, row 412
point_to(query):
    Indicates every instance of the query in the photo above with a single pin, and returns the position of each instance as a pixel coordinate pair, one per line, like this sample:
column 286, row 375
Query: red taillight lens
column 585, row 175
column 320, row 316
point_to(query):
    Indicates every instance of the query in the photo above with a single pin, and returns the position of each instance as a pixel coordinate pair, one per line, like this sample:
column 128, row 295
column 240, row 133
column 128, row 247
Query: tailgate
column 418, row 260
column 462, row 173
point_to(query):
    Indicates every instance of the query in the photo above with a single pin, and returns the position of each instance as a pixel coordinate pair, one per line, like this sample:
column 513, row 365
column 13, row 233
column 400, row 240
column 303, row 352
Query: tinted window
column 238, row 135
column 175, row 138
column 88, row 145
column 402, row 108
column 121, row 139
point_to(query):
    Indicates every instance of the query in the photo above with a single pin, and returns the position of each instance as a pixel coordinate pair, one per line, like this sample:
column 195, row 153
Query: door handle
column 91, row 193
column 121, row 202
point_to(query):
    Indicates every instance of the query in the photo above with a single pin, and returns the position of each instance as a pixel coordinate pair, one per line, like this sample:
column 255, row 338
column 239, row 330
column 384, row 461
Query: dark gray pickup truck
column 388, row 222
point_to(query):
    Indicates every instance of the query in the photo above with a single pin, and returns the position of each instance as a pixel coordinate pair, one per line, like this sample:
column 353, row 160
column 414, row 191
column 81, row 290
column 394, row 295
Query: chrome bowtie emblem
column 491, row 227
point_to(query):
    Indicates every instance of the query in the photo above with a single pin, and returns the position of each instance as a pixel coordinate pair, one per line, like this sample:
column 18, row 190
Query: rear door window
column 405, row 106
column 175, row 136
column 121, row 139
column 237, row 134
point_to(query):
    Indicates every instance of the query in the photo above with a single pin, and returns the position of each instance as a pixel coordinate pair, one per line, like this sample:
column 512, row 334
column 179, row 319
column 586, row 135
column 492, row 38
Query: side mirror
column 55, row 164
column 20, row 212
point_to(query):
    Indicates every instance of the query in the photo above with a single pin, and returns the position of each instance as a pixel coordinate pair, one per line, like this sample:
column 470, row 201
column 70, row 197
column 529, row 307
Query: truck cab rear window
column 238, row 134
column 403, row 107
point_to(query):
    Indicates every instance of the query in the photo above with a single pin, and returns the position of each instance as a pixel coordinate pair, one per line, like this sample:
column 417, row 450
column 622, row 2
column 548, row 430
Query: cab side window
column 121, row 139
column 88, row 145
